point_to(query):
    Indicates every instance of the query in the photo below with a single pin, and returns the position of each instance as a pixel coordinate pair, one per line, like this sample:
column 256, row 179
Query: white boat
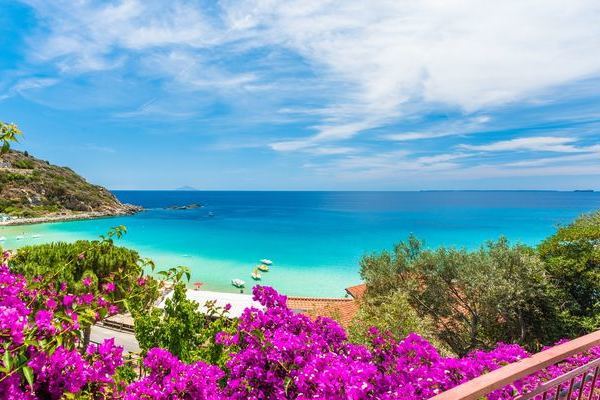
column 20, row 237
column 36, row 236
column 263, row 268
column 238, row 283
column 2, row 238
column 256, row 275
column 266, row 261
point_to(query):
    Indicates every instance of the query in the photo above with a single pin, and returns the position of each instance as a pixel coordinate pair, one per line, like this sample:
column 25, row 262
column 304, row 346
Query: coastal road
column 125, row 339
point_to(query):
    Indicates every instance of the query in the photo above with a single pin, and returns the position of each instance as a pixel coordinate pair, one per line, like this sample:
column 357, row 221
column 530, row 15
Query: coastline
column 127, row 209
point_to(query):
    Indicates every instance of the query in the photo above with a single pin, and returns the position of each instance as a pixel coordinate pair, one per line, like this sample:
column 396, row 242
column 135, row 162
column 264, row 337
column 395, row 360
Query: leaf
column 28, row 373
column 7, row 360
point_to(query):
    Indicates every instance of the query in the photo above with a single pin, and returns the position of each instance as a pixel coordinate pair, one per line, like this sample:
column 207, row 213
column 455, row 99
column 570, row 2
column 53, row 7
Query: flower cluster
column 169, row 378
column 280, row 355
column 40, row 331
column 274, row 354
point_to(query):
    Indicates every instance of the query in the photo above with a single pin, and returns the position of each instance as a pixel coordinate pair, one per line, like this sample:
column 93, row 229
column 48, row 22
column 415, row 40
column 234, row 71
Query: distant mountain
column 186, row 188
column 30, row 187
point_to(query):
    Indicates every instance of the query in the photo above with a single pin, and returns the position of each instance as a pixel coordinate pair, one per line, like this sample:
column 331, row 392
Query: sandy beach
column 74, row 216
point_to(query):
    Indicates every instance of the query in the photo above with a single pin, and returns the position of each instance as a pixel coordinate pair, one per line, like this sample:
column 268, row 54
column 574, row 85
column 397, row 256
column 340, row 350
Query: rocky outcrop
column 33, row 188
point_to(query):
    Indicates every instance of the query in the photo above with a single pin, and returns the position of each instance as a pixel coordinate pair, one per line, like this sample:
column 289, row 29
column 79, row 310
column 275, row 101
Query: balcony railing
column 580, row 383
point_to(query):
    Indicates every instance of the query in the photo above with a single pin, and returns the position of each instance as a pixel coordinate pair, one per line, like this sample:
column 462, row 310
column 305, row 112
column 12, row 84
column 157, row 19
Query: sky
column 308, row 95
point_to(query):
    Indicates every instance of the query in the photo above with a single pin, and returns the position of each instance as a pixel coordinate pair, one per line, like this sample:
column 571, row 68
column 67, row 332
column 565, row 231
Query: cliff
column 30, row 187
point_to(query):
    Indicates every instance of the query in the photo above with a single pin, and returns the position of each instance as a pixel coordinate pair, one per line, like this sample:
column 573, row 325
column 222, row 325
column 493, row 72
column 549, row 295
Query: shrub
column 182, row 329
column 474, row 298
column 274, row 354
column 572, row 258
column 23, row 164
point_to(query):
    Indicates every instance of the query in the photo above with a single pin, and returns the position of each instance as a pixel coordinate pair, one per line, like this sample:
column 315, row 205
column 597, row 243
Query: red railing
column 579, row 383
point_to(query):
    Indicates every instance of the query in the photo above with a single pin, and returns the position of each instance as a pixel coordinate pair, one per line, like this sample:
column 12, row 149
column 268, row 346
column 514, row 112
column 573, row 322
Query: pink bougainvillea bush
column 274, row 354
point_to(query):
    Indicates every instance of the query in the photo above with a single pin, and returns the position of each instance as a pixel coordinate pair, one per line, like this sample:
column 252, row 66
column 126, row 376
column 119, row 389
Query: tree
column 98, row 267
column 182, row 328
column 572, row 258
column 391, row 313
column 474, row 298
column 8, row 133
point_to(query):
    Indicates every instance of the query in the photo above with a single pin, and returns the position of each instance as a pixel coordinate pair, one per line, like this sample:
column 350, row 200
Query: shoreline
column 84, row 215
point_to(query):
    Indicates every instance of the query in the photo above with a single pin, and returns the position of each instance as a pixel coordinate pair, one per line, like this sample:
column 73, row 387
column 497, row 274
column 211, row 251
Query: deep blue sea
column 315, row 239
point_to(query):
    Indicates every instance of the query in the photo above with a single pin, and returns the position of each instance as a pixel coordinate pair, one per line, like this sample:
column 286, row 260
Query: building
column 238, row 302
column 341, row 310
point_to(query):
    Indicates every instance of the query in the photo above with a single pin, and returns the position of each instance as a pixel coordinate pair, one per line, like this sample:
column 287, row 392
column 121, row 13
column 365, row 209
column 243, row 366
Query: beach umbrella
column 198, row 284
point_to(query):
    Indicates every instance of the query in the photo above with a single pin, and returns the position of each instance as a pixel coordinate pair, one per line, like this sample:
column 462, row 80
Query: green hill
column 30, row 187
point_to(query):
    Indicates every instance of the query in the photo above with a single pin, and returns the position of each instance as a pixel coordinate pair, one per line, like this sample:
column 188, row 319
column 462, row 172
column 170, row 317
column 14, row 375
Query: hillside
column 30, row 187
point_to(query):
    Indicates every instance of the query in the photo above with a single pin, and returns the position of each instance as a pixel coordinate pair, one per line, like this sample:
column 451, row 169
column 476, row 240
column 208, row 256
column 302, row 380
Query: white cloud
column 24, row 85
column 467, row 54
column 538, row 143
column 462, row 127
column 376, row 61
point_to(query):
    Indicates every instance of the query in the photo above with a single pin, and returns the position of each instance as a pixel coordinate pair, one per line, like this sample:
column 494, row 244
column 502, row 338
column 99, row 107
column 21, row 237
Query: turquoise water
column 315, row 239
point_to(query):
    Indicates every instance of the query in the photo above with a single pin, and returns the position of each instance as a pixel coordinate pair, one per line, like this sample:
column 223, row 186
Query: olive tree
column 473, row 299
column 572, row 258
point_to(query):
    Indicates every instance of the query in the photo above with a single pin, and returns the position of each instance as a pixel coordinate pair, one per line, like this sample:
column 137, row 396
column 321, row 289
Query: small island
column 192, row 206
column 34, row 191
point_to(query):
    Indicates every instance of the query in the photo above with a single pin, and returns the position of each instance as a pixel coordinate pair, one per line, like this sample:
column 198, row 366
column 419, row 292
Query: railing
column 571, row 385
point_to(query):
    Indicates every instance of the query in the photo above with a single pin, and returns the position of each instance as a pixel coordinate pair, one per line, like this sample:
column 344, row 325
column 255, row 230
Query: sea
column 315, row 239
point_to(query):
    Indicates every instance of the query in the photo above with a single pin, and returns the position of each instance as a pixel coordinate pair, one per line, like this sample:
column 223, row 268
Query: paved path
column 125, row 339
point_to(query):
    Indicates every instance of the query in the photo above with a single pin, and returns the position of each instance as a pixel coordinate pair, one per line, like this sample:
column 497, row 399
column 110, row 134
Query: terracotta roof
column 341, row 310
column 357, row 291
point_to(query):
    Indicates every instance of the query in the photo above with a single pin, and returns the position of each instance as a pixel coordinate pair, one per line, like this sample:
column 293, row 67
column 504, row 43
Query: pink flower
column 68, row 300
column 51, row 303
column 87, row 281
column 109, row 287
column 86, row 298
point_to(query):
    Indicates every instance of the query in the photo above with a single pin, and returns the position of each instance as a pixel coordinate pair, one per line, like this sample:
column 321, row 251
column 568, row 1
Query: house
column 357, row 291
column 342, row 310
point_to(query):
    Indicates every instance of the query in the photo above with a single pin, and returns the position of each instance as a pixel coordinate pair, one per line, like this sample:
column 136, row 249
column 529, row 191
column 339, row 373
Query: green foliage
column 390, row 313
column 24, row 164
column 8, row 133
column 572, row 258
column 36, row 188
column 181, row 328
column 98, row 260
column 473, row 298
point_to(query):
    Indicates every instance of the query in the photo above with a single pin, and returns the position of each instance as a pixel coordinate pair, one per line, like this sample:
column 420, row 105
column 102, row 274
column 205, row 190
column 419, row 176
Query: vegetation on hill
column 30, row 187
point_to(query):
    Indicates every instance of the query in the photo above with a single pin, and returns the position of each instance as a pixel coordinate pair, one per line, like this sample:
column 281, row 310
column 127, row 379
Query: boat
column 238, row 283
column 263, row 268
column 256, row 275
column 2, row 238
column 36, row 236
column 20, row 237
column 266, row 261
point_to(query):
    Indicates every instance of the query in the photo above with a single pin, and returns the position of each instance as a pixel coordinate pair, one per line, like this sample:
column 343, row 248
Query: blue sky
column 308, row 95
